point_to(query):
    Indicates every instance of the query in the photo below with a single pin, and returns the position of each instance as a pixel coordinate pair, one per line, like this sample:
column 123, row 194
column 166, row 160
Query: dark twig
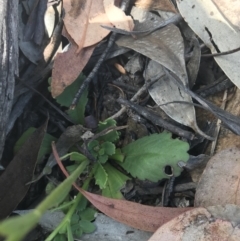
column 93, row 72
column 221, row 84
column 220, row 54
column 157, row 119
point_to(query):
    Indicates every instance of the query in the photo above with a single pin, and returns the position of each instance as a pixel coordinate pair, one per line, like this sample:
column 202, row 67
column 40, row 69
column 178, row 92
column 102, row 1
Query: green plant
column 145, row 158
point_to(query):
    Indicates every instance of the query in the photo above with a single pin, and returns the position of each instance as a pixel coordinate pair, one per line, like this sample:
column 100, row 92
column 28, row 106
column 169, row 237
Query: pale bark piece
column 109, row 230
column 216, row 31
column 219, row 183
column 200, row 224
column 8, row 62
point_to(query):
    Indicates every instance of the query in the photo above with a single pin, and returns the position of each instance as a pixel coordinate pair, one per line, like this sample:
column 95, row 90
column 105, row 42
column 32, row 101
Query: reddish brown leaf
column 13, row 181
column 133, row 214
column 67, row 67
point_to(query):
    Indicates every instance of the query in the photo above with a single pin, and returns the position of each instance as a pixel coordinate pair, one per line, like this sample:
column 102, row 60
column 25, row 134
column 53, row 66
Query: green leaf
column 116, row 180
column 60, row 237
column 45, row 146
column 93, row 144
column 72, row 168
column 87, row 226
column 82, row 204
column 76, row 156
column 109, row 148
column 65, row 99
column 75, row 219
column 63, row 229
column 113, row 135
column 49, row 188
column 103, row 159
column 78, row 233
column 147, row 157
column 118, row 156
column 15, row 228
column 88, row 214
column 100, row 175
column 101, row 152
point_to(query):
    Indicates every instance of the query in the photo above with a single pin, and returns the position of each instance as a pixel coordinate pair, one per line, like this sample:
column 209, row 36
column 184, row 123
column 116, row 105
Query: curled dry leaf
column 217, row 24
column 202, row 224
column 219, row 183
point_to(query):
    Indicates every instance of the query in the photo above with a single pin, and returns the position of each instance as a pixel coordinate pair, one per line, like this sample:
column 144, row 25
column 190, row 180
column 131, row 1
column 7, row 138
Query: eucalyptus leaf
column 147, row 157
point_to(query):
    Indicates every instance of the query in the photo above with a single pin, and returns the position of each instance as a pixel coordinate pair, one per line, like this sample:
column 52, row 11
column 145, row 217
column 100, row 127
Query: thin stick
column 220, row 54
column 218, row 127
column 143, row 89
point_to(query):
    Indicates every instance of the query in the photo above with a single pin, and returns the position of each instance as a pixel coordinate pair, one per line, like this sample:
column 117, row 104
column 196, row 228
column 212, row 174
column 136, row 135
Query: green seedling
column 146, row 158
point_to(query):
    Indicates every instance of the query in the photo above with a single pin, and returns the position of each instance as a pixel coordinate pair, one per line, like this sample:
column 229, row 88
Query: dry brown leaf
column 219, row 183
column 165, row 5
column 83, row 20
column 136, row 215
column 201, row 224
column 117, row 17
column 67, row 67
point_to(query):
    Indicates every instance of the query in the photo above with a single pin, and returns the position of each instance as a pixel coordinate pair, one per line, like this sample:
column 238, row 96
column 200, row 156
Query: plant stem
column 62, row 190
column 67, row 219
